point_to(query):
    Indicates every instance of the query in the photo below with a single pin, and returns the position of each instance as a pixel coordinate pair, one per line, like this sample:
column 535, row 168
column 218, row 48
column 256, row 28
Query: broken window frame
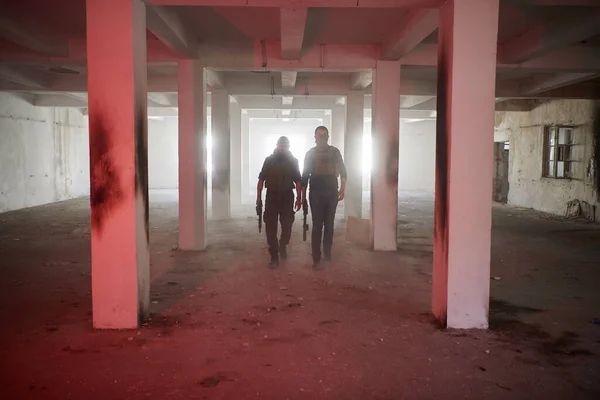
column 561, row 153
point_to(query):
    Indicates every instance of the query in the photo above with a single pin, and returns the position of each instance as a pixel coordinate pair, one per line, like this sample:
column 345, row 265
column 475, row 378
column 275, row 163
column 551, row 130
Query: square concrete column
column 384, row 172
column 116, row 62
column 327, row 123
column 338, row 127
column 236, row 153
column 221, row 152
column 247, row 180
column 353, row 146
column 464, row 162
column 191, row 83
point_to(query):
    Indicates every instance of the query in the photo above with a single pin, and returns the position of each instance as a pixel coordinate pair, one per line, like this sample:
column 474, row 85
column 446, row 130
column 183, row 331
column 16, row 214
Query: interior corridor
column 224, row 326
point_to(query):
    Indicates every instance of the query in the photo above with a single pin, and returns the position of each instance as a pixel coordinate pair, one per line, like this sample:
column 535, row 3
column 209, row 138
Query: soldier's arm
column 343, row 172
column 261, row 182
column 297, row 178
column 306, row 174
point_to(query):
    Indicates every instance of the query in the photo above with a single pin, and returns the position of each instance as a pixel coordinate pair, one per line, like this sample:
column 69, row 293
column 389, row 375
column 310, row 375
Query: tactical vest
column 325, row 162
column 280, row 173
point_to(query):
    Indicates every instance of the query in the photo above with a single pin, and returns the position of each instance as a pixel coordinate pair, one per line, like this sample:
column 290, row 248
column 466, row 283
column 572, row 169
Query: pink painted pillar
column 192, row 155
column 221, row 151
column 116, row 62
column 235, row 113
column 384, row 173
column 464, row 162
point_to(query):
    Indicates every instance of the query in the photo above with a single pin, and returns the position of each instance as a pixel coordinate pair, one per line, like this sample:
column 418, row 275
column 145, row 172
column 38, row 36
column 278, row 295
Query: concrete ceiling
column 546, row 48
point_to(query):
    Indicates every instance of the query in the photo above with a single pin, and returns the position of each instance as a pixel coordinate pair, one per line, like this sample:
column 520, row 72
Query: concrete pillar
column 464, row 162
column 118, row 126
column 221, row 150
column 192, row 155
column 247, row 180
column 338, row 127
column 384, row 172
column 327, row 124
column 235, row 113
column 353, row 141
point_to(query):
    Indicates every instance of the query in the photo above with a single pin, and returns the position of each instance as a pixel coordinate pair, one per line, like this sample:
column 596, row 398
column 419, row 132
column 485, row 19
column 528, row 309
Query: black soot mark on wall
column 105, row 187
column 220, row 179
column 441, row 149
column 391, row 163
column 597, row 146
column 141, row 164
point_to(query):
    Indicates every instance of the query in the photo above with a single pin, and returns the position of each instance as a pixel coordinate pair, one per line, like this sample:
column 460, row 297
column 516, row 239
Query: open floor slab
column 224, row 326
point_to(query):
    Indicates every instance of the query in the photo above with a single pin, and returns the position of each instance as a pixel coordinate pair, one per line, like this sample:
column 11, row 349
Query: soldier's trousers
column 279, row 207
column 322, row 205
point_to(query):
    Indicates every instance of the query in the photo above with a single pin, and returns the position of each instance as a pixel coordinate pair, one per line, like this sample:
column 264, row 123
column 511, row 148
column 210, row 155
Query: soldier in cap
column 280, row 174
column 323, row 165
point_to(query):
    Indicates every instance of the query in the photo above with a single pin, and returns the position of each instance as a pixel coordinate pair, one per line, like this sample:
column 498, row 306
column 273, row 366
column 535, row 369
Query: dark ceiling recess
column 61, row 70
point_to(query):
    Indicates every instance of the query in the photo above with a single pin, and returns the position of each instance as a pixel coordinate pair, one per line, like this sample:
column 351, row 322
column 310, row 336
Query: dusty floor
column 226, row 327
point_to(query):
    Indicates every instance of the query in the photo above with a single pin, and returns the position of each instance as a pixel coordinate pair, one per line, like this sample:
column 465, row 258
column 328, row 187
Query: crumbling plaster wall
column 525, row 132
column 44, row 154
column 163, row 158
column 416, row 165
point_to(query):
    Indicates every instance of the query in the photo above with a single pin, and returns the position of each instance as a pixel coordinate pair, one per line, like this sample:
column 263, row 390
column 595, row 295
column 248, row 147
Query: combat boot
column 274, row 263
column 283, row 252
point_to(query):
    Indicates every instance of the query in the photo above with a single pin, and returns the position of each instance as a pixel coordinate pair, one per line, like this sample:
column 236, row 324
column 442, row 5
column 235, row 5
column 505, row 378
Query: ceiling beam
column 59, row 100
column 290, row 114
column 332, row 85
column 412, row 101
column 288, row 79
column 266, row 55
column 570, row 59
column 544, row 83
column 305, row 3
column 329, row 58
column 268, row 102
column 361, row 80
column 429, row 104
column 27, row 34
column 77, row 54
column 162, row 112
column 215, row 79
column 544, row 38
column 516, row 105
column 293, row 24
column 419, row 24
column 30, row 78
column 160, row 99
column 166, row 25
column 310, row 86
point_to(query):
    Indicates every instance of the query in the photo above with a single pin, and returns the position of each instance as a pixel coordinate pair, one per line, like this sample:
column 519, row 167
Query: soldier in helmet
column 280, row 174
column 322, row 166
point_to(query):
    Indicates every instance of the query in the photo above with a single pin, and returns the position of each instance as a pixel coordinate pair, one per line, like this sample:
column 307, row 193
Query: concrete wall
column 44, row 154
column 163, row 164
column 416, row 164
column 417, row 156
column 525, row 132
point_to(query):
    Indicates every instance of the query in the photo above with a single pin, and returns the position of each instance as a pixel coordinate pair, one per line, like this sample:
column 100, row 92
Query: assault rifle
column 259, row 212
column 304, row 223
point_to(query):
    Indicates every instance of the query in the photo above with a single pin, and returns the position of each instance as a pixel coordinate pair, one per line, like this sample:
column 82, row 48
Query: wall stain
column 105, row 187
column 391, row 163
column 442, row 148
column 141, row 164
column 596, row 156
column 220, row 180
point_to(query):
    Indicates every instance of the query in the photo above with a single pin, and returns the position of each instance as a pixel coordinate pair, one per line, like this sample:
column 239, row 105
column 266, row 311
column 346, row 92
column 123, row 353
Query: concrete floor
column 226, row 327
